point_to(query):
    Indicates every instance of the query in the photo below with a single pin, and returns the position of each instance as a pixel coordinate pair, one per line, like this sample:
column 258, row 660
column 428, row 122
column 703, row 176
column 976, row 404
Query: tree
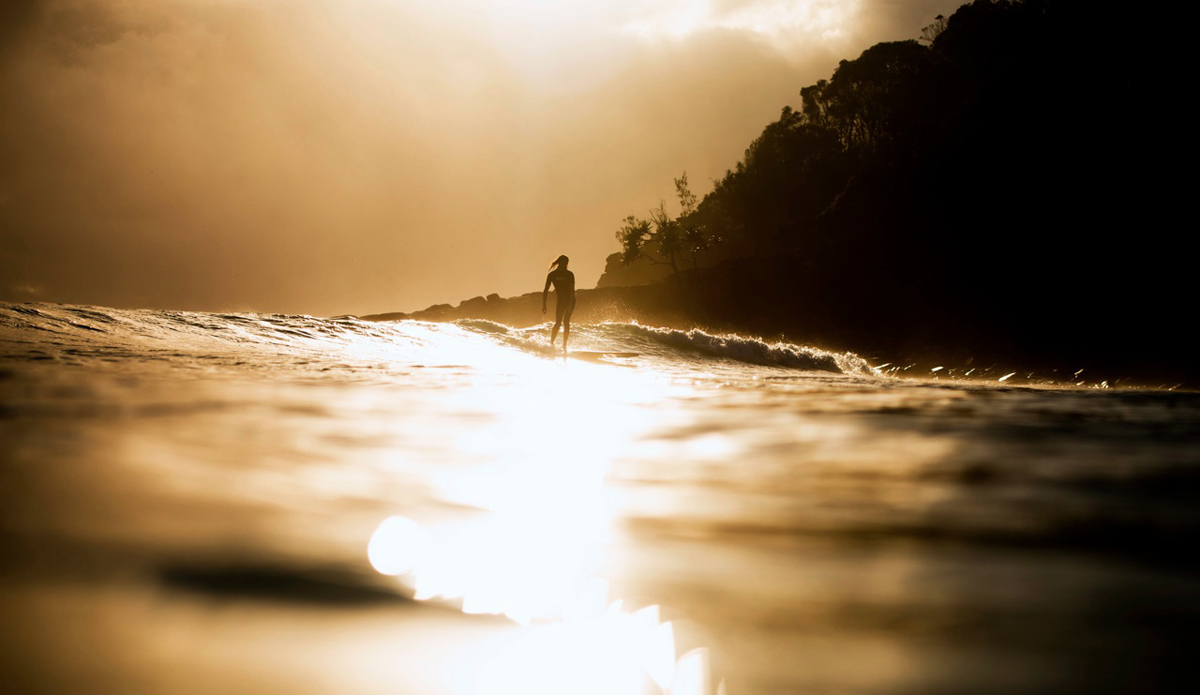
column 668, row 236
column 687, row 199
column 694, row 236
column 930, row 33
column 875, row 98
column 633, row 235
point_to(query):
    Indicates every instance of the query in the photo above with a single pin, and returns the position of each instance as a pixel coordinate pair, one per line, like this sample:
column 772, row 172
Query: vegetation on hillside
column 1002, row 179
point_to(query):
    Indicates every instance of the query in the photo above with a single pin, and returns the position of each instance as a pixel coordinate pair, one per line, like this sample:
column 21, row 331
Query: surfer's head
column 560, row 262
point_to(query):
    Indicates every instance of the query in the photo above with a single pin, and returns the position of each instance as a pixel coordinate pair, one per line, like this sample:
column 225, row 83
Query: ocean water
column 248, row 503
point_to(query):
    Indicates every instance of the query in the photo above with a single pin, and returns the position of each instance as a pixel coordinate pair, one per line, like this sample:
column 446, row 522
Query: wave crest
column 755, row 351
column 61, row 325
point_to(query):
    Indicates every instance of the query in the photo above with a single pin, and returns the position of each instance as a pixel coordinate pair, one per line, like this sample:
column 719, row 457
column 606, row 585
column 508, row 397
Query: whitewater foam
column 755, row 351
column 50, row 327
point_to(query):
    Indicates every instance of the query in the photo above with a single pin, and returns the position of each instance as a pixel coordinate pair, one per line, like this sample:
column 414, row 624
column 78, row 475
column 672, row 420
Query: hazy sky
column 357, row 156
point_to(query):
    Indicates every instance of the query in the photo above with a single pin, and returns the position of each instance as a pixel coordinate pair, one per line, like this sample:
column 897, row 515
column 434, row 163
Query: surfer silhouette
column 564, row 298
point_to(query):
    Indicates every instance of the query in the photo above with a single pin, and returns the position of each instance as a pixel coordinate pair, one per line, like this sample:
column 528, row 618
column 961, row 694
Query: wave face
column 57, row 331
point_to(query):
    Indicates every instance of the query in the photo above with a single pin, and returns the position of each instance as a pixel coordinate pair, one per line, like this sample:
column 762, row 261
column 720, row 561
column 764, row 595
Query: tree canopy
column 998, row 173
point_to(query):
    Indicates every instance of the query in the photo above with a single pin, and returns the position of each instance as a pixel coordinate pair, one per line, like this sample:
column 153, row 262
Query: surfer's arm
column 545, row 291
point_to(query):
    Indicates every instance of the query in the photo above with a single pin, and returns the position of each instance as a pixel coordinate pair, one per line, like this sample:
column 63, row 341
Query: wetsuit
column 564, row 294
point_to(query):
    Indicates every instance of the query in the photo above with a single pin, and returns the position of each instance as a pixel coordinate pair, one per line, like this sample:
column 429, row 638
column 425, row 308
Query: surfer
column 564, row 298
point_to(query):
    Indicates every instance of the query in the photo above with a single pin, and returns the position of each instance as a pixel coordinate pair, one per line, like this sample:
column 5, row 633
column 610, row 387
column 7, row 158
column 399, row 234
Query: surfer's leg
column 570, row 308
column 559, row 307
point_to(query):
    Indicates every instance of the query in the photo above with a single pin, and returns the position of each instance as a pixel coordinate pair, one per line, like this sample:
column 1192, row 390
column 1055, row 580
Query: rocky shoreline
column 775, row 299
column 647, row 303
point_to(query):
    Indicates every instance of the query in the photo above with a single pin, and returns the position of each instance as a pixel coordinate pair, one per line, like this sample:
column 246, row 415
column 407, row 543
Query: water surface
column 199, row 503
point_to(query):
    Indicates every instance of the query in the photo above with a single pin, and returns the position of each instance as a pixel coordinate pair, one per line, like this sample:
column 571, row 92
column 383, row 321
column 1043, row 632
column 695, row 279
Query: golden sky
column 358, row 156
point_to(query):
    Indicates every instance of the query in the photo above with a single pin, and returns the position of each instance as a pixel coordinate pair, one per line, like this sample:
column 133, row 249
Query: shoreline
column 773, row 299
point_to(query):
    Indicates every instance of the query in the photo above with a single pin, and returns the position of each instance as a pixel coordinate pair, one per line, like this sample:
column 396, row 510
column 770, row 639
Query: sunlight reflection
column 692, row 673
column 546, row 434
column 613, row 653
column 398, row 546
column 591, row 646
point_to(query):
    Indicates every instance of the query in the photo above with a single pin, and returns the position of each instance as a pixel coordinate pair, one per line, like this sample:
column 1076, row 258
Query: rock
column 390, row 316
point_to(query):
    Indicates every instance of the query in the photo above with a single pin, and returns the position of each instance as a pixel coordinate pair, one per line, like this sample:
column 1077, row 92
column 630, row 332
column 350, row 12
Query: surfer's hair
column 560, row 262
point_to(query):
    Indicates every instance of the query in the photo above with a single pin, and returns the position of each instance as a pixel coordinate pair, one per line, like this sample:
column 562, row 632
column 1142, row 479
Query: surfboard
column 596, row 357
column 587, row 354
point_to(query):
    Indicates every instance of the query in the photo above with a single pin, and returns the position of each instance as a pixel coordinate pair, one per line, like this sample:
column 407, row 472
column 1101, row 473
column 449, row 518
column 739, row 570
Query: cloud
column 784, row 22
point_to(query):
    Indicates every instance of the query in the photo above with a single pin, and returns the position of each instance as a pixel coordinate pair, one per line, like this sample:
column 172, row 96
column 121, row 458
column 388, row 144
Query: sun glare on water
column 544, row 516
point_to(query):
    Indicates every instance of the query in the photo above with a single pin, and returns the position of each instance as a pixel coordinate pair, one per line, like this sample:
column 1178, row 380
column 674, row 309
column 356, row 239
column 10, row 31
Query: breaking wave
column 40, row 331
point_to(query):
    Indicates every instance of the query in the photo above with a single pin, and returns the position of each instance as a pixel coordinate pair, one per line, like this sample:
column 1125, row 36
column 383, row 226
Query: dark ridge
column 280, row 583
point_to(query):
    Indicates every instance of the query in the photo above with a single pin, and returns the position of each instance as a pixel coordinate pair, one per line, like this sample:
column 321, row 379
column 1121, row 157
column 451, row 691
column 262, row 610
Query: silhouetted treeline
column 1007, row 184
